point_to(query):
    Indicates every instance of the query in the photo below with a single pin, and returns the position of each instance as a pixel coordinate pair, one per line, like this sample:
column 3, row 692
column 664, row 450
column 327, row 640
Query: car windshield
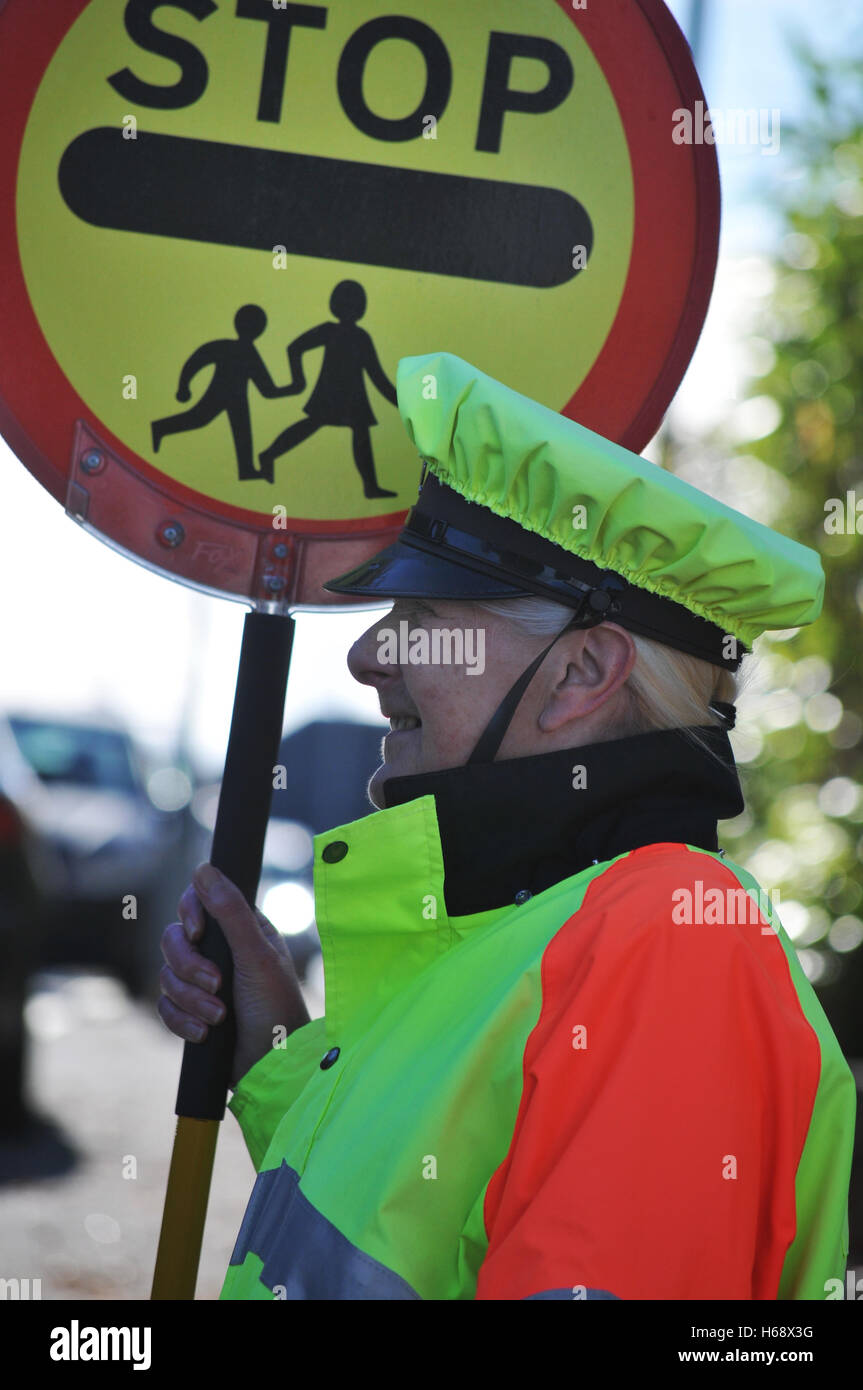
column 66, row 753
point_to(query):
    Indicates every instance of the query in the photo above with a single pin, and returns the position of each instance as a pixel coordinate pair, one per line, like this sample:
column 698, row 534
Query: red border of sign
column 677, row 309
column 655, row 203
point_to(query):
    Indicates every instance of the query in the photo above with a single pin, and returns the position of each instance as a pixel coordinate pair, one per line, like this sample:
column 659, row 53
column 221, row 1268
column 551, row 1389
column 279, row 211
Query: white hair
column 666, row 689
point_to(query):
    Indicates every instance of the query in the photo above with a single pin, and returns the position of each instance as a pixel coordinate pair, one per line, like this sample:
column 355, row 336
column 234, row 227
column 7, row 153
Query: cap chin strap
column 598, row 603
column 492, row 736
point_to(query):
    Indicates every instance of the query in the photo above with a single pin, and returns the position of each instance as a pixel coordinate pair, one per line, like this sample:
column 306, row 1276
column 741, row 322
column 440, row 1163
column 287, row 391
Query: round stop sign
column 221, row 227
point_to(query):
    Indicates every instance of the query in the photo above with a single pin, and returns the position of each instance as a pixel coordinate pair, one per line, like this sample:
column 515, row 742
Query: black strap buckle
column 600, row 602
column 727, row 712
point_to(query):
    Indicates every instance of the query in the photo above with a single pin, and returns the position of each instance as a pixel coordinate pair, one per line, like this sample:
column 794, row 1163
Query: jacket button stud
column 522, row 896
column 334, row 851
column 331, row 1057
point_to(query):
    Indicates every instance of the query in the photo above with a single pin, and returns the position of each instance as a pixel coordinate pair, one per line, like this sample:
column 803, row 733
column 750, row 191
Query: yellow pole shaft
column 186, row 1198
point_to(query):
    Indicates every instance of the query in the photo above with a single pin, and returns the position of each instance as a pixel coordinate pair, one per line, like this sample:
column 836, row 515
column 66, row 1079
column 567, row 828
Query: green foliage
column 802, row 767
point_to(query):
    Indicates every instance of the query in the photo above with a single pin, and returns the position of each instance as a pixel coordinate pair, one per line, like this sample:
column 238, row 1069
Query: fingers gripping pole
column 238, row 848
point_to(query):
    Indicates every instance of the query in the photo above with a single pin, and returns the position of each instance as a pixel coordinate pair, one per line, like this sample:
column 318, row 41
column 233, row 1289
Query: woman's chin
column 375, row 788
column 396, row 767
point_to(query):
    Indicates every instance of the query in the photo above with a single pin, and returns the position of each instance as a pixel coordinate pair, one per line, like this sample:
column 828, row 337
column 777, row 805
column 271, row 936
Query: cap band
column 442, row 523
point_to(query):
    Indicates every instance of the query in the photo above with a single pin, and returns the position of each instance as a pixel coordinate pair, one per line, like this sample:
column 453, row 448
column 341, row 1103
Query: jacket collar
column 395, row 890
column 524, row 824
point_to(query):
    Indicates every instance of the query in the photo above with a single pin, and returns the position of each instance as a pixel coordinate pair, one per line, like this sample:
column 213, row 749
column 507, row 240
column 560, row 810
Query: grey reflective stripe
column 569, row 1295
column 303, row 1254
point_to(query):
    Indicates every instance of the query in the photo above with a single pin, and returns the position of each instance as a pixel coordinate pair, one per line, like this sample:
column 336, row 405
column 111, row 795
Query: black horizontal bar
column 335, row 209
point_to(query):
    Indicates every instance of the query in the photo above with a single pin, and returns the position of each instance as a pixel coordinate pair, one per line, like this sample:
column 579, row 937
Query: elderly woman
column 568, row 1050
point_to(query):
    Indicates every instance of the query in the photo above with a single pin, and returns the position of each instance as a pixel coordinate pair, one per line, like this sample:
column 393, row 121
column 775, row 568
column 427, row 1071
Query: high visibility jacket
column 613, row 1080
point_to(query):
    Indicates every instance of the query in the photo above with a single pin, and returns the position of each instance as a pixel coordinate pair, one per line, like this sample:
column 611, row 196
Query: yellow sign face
column 248, row 213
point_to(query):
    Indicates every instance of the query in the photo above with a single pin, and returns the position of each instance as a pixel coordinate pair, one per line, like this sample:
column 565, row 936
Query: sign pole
column 238, row 847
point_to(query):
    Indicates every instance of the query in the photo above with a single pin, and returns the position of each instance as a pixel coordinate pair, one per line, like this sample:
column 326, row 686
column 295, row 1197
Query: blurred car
column 20, row 910
column 328, row 763
column 81, row 787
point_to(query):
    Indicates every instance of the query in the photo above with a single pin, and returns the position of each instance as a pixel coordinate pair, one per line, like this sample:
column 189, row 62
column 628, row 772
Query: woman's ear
column 591, row 666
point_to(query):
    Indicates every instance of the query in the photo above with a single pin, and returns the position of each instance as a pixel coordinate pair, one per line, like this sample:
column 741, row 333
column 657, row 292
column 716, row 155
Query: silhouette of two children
column 338, row 398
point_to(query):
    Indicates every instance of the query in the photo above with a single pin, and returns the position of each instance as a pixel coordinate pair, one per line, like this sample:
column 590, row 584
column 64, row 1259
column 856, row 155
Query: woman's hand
column 266, row 989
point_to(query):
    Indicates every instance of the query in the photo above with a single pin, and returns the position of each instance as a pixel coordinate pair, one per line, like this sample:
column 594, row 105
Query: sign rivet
column 93, row 461
column 171, row 534
column 280, row 550
column 274, row 583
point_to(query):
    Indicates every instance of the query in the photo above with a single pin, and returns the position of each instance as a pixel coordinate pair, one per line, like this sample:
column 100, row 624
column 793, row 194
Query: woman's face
column 438, row 710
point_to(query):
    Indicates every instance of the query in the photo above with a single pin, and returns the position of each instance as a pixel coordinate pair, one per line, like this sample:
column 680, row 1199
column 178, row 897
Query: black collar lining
column 521, row 825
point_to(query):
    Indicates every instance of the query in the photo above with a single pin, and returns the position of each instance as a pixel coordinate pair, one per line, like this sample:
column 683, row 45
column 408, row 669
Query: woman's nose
column 364, row 661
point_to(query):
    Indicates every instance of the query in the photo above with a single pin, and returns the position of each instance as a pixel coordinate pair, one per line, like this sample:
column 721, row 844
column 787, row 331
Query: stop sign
column 221, row 227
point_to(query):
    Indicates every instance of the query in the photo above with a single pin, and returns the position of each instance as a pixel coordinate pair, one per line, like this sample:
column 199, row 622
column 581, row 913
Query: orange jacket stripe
column 669, row 1085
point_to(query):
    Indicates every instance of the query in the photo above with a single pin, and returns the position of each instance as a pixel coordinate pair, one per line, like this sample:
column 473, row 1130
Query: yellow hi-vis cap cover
column 599, row 501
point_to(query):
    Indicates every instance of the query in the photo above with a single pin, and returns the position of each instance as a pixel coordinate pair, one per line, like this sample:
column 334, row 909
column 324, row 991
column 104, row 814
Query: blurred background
column 117, row 686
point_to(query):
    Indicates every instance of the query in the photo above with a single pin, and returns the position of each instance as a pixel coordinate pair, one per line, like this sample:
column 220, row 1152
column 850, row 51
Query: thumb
column 224, row 901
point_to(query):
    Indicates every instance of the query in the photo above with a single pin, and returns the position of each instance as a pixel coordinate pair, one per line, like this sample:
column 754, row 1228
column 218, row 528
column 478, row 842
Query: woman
column 568, row 1050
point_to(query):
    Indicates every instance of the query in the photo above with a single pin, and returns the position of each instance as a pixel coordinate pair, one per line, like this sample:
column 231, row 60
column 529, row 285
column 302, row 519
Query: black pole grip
column 238, row 839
